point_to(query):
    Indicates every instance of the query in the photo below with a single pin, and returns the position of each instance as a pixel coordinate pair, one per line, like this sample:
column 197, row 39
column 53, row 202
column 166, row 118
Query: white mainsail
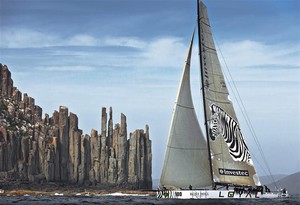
column 186, row 158
column 230, row 156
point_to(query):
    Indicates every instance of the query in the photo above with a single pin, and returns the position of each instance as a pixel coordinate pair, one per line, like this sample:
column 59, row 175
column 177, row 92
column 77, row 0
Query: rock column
column 64, row 143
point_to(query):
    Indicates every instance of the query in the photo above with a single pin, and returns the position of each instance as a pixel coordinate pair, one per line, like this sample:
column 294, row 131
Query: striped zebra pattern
column 224, row 124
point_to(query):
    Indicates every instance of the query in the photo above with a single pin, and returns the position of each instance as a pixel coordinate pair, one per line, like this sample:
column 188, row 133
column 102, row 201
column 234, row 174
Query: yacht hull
column 217, row 194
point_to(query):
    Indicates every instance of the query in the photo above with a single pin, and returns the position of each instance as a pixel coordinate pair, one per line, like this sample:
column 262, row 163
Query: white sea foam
column 122, row 194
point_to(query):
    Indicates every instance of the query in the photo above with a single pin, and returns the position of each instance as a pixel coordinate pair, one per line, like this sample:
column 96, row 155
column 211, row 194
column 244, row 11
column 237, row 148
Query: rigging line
column 259, row 164
column 244, row 112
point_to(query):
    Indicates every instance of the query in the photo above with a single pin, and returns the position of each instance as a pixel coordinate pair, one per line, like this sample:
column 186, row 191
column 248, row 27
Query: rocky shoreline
column 55, row 189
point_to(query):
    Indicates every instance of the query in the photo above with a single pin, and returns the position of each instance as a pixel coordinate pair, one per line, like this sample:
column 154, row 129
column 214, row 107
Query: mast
column 203, row 92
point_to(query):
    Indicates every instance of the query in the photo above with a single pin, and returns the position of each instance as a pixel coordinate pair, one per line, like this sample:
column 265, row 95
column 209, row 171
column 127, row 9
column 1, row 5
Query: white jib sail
column 186, row 157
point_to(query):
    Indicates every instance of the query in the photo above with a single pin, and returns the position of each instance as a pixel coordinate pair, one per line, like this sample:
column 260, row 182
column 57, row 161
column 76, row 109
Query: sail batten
column 218, row 101
column 187, row 148
column 185, row 106
column 218, row 91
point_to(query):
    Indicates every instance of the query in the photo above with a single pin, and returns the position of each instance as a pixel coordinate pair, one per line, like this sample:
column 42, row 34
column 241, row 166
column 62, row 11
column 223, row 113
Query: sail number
column 178, row 193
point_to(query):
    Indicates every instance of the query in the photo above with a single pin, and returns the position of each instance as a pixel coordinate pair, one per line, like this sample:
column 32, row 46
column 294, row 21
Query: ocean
column 135, row 199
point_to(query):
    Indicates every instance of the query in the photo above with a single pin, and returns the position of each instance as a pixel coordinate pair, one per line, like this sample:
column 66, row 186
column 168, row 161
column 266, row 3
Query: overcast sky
column 129, row 55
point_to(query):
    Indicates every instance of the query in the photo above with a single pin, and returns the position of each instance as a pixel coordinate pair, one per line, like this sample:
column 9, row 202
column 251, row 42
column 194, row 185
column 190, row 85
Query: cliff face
column 54, row 149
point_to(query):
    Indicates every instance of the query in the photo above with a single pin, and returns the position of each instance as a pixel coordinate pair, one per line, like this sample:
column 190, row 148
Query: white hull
column 216, row 194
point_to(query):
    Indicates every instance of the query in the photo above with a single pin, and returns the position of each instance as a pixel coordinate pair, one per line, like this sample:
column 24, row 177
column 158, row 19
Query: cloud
column 66, row 68
column 83, row 52
column 157, row 59
column 125, row 41
column 256, row 61
column 249, row 53
column 23, row 38
column 82, row 40
column 162, row 52
column 165, row 52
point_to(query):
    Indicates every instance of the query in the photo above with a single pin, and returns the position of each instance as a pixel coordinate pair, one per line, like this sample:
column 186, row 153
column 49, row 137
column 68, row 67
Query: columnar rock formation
column 54, row 149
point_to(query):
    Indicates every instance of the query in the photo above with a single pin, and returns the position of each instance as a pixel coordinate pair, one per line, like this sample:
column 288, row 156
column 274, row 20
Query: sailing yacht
column 220, row 165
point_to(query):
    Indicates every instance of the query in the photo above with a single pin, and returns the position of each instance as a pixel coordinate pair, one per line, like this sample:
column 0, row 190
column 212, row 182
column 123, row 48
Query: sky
column 129, row 55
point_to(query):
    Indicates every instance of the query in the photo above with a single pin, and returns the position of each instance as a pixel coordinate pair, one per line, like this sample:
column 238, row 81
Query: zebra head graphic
column 223, row 125
column 215, row 128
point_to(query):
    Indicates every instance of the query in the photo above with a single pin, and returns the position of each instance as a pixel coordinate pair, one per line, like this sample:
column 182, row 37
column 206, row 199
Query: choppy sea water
column 68, row 200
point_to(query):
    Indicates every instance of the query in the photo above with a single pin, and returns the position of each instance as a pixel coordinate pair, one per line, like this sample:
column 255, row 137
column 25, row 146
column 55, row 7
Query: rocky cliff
column 54, row 149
